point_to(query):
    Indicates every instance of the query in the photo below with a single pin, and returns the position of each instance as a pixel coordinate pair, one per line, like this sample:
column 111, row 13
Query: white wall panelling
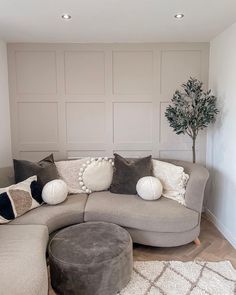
column 36, row 155
column 93, row 99
column 85, row 122
column 36, row 72
column 132, row 72
column 184, row 155
column 37, row 123
column 175, row 68
column 84, row 72
column 86, row 153
column 132, row 122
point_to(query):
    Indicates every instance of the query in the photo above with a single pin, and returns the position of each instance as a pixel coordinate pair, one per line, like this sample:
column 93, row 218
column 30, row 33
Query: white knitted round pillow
column 96, row 175
column 55, row 192
column 149, row 188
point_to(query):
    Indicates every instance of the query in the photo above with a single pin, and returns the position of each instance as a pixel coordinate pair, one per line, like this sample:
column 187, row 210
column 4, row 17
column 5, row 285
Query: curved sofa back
column 194, row 191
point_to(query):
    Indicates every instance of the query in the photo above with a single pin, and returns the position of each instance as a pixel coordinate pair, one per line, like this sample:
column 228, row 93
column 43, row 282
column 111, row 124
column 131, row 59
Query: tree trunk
column 194, row 149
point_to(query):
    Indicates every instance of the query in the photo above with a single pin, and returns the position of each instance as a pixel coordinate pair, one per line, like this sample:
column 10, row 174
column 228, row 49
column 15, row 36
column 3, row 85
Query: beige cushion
column 173, row 179
column 70, row 172
column 55, row 217
column 23, row 267
column 163, row 215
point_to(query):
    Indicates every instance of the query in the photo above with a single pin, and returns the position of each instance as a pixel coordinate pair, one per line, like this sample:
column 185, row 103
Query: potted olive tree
column 191, row 110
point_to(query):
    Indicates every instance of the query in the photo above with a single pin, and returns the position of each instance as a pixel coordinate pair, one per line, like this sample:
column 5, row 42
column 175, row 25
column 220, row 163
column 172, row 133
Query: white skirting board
column 225, row 232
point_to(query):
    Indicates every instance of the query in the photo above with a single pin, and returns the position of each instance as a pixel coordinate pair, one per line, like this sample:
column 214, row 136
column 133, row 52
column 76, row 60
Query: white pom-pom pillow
column 55, row 192
column 173, row 179
column 149, row 188
column 96, row 175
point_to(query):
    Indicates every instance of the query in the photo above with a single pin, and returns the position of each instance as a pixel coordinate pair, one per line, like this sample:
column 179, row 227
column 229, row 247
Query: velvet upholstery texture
column 45, row 170
column 70, row 212
column 23, row 267
column 92, row 258
column 127, row 173
column 162, row 215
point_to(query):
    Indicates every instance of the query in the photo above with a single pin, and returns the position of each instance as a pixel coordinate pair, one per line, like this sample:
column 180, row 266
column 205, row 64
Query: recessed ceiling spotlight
column 179, row 15
column 66, row 16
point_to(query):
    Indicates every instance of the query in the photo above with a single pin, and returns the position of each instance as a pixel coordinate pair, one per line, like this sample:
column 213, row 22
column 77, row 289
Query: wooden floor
column 214, row 247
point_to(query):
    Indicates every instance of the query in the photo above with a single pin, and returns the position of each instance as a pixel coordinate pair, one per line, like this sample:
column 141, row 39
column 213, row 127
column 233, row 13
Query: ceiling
column 114, row 20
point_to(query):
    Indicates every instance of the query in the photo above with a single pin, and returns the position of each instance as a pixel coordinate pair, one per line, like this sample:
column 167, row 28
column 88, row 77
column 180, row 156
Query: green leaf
column 192, row 109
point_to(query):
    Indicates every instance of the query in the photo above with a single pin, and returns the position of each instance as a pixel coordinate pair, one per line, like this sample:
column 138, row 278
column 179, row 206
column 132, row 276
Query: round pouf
column 93, row 258
column 149, row 188
column 55, row 192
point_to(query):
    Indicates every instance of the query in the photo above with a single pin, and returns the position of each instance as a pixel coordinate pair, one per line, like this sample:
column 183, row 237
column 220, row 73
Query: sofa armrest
column 196, row 186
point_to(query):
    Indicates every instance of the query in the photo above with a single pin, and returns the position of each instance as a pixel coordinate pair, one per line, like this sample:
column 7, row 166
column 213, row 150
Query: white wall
column 80, row 100
column 5, row 133
column 221, row 151
column 5, row 130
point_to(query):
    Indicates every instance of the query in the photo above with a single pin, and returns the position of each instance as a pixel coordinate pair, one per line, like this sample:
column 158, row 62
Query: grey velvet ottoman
column 94, row 258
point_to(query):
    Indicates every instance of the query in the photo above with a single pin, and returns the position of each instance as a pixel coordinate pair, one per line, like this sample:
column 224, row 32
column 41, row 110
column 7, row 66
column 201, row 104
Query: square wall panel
column 85, row 72
column 132, row 122
column 37, row 122
column 132, row 72
column 36, row 72
column 176, row 68
column 85, row 122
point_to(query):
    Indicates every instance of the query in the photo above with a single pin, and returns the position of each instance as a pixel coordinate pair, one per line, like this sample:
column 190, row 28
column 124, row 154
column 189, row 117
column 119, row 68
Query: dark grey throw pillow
column 128, row 172
column 45, row 170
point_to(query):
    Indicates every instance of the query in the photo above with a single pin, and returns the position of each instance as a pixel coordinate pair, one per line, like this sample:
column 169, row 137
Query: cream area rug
column 182, row 278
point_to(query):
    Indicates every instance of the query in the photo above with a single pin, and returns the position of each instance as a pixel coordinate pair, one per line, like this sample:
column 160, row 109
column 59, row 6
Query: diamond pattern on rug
column 216, row 284
column 155, row 291
column 175, row 282
column 189, row 273
column 136, row 284
column 150, row 272
column 185, row 278
column 223, row 268
column 198, row 291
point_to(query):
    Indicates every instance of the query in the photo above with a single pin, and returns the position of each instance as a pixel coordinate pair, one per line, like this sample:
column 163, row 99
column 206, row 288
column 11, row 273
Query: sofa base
column 158, row 239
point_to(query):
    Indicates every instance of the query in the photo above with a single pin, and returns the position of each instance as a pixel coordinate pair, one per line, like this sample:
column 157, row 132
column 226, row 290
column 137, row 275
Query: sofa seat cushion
column 55, row 217
column 163, row 215
column 23, row 268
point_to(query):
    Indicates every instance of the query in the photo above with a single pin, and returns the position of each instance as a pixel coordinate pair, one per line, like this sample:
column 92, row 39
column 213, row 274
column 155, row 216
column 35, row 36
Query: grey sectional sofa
column 164, row 223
